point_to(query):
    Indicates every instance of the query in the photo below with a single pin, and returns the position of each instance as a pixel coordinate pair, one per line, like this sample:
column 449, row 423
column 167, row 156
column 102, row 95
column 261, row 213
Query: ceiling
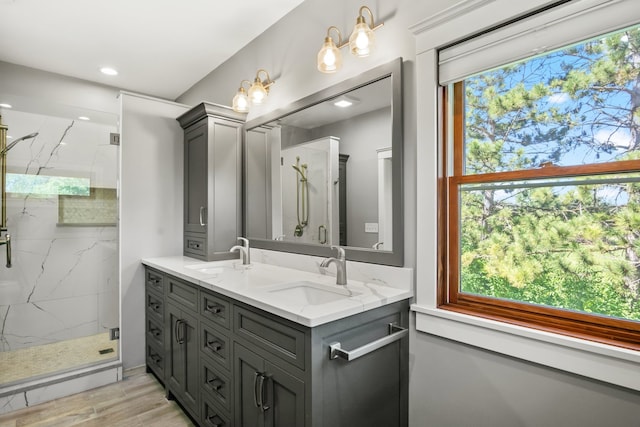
column 159, row 47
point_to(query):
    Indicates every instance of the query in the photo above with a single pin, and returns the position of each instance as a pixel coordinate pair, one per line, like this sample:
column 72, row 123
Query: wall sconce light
column 241, row 100
column 256, row 94
column 329, row 57
column 360, row 43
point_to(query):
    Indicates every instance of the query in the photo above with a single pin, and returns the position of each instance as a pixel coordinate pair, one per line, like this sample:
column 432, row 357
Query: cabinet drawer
column 215, row 344
column 182, row 293
column 155, row 360
column 195, row 245
column 155, row 332
column 212, row 416
column 154, row 281
column 216, row 383
column 155, row 307
column 275, row 337
column 215, row 309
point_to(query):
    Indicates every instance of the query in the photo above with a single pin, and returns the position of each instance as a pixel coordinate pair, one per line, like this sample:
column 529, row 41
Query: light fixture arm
column 340, row 44
column 242, row 89
column 266, row 83
column 362, row 19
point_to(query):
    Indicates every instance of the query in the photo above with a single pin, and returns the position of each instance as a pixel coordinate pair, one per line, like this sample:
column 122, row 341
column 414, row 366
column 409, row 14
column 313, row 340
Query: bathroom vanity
column 263, row 345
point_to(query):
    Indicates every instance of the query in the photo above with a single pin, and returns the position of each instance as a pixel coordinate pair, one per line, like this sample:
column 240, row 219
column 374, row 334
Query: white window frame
column 602, row 362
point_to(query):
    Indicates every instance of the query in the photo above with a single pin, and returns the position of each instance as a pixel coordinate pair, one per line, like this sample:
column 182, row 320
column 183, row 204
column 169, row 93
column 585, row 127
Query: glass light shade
column 329, row 57
column 362, row 39
column 241, row 101
column 257, row 92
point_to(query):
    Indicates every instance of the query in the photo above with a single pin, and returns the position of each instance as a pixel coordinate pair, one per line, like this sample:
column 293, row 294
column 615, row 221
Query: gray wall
column 450, row 384
column 360, row 138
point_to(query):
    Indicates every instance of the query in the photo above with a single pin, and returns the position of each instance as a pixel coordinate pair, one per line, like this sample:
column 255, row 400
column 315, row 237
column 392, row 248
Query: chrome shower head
column 13, row 143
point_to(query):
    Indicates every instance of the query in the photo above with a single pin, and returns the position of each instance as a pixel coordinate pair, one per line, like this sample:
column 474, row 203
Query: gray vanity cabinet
column 212, row 180
column 231, row 364
column 154, row 323
column 182, row 344
column 266, row 395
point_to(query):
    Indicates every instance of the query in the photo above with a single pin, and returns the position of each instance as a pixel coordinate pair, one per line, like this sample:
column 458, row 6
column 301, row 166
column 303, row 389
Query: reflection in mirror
column 328, row 172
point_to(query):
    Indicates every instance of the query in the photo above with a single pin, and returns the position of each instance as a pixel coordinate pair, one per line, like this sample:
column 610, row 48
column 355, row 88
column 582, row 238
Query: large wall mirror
column 327, row 170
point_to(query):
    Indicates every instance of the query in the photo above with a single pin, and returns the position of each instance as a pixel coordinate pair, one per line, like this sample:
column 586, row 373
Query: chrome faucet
column 244, row 249
column 341, row 265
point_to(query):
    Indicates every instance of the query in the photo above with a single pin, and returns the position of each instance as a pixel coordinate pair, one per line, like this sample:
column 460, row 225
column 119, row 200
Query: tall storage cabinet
column 212, row 180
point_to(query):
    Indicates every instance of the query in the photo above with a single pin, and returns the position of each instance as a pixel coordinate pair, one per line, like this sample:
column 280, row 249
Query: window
column 542, row 191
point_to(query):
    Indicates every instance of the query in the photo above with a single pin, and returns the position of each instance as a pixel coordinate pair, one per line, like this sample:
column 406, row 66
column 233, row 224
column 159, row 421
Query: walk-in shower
column 59, row 300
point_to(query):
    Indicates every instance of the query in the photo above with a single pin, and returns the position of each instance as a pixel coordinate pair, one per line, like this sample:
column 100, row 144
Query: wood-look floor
column 139, row 400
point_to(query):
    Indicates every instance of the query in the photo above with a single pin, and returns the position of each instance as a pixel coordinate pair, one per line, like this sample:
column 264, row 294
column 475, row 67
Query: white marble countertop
column 261, row 285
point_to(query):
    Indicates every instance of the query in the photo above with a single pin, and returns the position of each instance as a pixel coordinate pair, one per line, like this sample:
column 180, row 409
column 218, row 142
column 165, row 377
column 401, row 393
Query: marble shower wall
column 63, row 283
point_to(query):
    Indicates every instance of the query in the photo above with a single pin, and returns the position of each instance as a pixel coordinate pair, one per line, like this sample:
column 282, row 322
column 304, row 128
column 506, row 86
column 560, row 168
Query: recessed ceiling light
column 343, row 103
column 109, row 71
column 6, row 105
column 83, row 118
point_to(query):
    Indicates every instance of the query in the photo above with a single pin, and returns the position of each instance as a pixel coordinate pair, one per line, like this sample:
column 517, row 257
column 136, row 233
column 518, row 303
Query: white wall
column 450, row 384
column 151, row 194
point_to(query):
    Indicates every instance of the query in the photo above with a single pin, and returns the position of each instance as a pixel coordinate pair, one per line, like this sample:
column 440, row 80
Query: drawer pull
column 395, row 333
column 216, row 383
column 154, row 306
column 155, row 358
column 214, row 346
column 194, row 245
column 213, row 308
column 155, row 332
column 202, row 223
column 215, row 421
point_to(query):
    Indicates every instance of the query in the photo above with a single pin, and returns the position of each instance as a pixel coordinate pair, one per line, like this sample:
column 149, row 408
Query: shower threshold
column 32, row 363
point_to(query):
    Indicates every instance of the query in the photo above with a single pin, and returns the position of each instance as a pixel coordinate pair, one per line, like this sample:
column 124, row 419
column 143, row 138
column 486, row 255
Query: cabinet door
column 182, row 351
column 265, row 394
column 247, row 368
column 225, row 165
column 284, row 397
column 195, row 178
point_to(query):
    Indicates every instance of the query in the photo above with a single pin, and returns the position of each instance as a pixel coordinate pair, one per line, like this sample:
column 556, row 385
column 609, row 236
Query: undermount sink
column 311, row 293
column 214, row 267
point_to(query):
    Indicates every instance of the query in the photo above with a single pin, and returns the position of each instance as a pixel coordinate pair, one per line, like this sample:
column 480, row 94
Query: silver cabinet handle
column 180, row 337
column 395, row 333
column 255, row 390
column 263, row 407
column 258, row 391
column 213, row 308
column 202, row 223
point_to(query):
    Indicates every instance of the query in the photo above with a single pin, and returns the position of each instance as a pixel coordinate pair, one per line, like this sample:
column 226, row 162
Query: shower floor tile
column 33, row 362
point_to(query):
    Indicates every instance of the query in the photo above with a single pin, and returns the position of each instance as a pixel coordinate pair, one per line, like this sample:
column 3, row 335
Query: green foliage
column 574, row 246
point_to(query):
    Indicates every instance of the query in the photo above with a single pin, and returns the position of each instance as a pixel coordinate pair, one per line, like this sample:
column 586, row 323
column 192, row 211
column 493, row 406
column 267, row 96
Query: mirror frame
column 395, row 257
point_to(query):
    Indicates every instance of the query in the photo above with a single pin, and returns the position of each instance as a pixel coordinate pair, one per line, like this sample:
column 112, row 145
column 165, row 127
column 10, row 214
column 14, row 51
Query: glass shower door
column 59, row 301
